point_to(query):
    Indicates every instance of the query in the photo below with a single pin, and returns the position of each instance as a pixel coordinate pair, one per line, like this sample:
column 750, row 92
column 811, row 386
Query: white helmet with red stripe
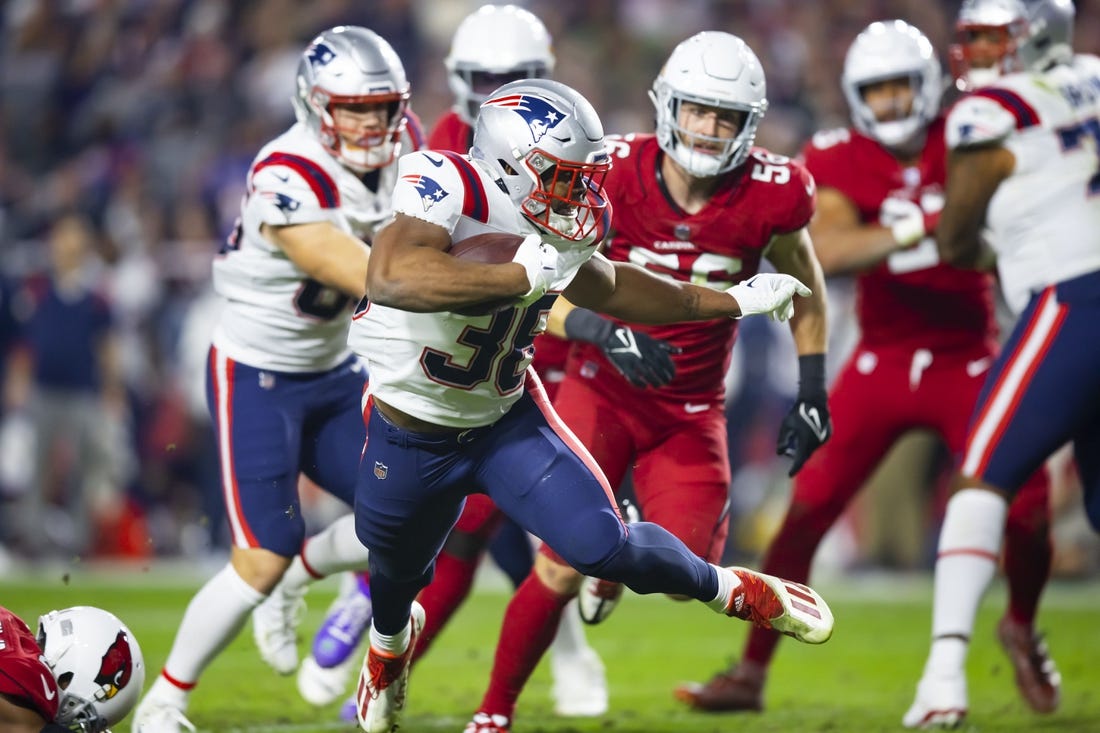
column 352, row 65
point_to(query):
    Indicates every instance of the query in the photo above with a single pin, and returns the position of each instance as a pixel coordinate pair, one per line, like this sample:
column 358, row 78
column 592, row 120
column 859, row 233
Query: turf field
column 860, row 681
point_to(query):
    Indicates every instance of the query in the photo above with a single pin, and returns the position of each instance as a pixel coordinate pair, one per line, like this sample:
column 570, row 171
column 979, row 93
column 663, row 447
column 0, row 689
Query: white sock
column 332, row 550
column 212, row 620
column 970, row 543
column 570, row 639
column 728, row 582
column 165, row 692
column 393, row 645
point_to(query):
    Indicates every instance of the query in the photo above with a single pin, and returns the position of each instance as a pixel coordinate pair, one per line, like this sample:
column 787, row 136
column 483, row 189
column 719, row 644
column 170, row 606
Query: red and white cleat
column 486, row 723
column 790, row 608
column 384, row 683
column 1037, row 678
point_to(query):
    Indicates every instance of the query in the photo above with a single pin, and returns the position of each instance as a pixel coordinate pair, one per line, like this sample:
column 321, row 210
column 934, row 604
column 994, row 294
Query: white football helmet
column 352, row 65
column 1034, row 34
column 892, row 49
column 715, row 69
column 492, row 46
column 97, row 663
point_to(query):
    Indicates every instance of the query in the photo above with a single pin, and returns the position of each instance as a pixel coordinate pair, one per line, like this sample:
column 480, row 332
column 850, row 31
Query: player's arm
column 973, row 175
column 630, row 293
column 16, row 718
column 411, row 271
column 793, row 254
column 325, row 252
column 845, row 244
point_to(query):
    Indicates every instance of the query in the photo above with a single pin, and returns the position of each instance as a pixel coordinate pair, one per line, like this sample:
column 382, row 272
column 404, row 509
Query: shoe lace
column 754, row 601
column 384, row 671
column 286, row 609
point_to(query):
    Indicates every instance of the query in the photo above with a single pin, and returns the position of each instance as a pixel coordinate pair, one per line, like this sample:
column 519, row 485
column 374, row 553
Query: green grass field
column 861, row 681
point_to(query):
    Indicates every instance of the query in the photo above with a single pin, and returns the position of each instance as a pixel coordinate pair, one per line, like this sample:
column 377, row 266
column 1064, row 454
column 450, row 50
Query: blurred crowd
column 128, row 127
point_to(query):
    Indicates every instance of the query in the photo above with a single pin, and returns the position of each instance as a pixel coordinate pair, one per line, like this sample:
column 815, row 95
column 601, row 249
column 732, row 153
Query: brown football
column 490, row 248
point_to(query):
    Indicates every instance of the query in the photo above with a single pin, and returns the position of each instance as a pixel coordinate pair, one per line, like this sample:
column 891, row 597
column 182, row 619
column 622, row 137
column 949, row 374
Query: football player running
column 82, row 671
column 283, row 387
column 926, row 328
column 454, row 408
column 1023, row 167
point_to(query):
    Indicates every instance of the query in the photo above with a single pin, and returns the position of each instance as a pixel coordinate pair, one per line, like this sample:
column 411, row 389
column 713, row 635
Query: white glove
column 770, row 293
column 541, row 262
column 906, row 220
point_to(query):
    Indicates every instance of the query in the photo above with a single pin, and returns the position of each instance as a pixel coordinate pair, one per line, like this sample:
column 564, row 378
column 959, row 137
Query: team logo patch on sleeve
column 540, row 115
column 282, row 202
column 430, row 190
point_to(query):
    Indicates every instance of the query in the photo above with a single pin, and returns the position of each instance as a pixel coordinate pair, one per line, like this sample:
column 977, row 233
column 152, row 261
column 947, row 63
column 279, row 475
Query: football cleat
column 157, row 716
column 580, row 684
column 275, row 628
column 598, row 599
column 346, row 620
column 322, row 685
column 384, row 683
column 739, row 689
column 790, row 608
column 1037, row 678
column 486, row 723
column 940, row 703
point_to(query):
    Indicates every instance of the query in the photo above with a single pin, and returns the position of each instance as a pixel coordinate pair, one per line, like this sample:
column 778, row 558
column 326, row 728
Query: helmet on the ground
column 892, row 50
column 713, row 69
column 352, row 65
column 97, row 663
column 544, row 142
column 492, row 46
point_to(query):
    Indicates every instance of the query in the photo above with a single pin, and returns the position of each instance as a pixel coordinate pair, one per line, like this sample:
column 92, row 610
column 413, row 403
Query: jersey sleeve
column 23, row 674
column 823, row 156
column 795, row 198
column 981, row 118
column 431, row 186
column 291, row 189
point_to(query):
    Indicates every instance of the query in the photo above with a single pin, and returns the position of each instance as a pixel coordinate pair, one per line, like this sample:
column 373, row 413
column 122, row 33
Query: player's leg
column 864, row 432
column 258, row 456
column 1030, row 405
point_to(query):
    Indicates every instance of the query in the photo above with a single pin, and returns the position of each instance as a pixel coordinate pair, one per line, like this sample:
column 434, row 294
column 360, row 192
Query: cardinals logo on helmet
column 430, row 191
column 540, row 115
column 116, row 667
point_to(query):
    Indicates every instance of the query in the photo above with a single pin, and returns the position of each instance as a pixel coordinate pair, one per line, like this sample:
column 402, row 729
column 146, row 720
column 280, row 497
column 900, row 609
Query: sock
column 166, row 690
column 570, row 639
column 214, row 617
column 393, row 645
column 454, row 576
column 334, row 549
column 728, row 582
column 530, row 622
column 1027, row 551
column 970, row 541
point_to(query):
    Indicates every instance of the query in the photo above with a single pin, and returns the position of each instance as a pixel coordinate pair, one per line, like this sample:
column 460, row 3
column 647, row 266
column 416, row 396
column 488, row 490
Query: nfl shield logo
column 682, row 232
column 381, row 470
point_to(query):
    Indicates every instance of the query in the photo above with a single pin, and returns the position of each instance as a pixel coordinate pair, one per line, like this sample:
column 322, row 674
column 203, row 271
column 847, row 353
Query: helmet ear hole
column 64, row 679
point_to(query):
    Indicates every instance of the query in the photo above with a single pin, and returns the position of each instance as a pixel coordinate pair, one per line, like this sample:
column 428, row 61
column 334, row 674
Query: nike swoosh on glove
column 643, row 360
column 540, row 260
column 804, row 429
column 769, row 292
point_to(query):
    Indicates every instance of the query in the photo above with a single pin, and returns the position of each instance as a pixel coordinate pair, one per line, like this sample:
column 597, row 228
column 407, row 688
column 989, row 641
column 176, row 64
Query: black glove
column 807, row 426
column 642, row 359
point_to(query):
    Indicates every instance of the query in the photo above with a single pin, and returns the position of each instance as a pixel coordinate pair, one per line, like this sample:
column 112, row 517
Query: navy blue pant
column 412, row 487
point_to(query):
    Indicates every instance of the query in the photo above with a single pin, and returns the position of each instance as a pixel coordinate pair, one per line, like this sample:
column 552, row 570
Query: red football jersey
column 451, row 133
column 719, row 246
column 911, row 299
column 23, row 674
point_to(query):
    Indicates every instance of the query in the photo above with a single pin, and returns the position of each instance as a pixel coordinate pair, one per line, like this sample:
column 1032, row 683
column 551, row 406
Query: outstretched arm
column 973, row 175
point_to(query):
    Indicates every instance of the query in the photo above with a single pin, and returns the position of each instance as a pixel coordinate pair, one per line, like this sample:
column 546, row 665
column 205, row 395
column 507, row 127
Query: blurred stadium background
column 132, row 122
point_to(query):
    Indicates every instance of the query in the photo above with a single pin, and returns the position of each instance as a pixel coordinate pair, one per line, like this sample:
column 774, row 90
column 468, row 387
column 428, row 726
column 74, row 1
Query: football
column 490, row 248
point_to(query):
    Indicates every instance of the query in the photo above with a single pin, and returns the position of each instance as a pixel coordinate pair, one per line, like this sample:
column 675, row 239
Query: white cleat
column 788, row 607
column 275, row 628
column 158, row 716
column 384, row 683
column 323, row 685
column 940, row 703
column 580, row 684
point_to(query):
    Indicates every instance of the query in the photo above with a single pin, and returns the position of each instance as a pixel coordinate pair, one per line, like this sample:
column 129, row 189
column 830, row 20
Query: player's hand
column 770, row 293
column 540, row 260
column 805, row 428
column 907, row 221
column 642, row 359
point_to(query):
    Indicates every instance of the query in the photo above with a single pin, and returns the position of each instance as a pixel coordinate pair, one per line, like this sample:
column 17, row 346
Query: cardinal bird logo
column 540, row 115
column 116, row 667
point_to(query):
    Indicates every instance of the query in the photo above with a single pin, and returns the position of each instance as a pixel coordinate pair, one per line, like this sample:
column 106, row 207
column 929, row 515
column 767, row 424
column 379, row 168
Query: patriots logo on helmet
column 430, row 190
column 540, row 115
column 116, row 667
column 320, row 55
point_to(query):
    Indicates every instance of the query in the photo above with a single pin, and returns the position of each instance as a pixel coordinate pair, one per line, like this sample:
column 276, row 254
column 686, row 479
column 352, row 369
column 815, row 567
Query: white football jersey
column 1044, row 220
column 276, row 317
column 448, row 369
